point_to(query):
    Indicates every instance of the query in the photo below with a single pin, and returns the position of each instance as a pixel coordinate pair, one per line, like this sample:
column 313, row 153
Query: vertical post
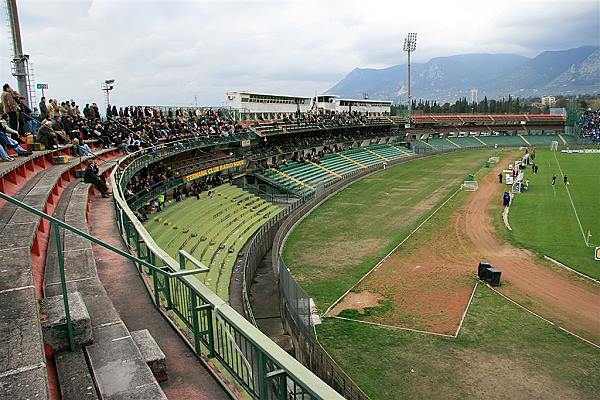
column 182, row 261
column 262, row 378
column 282, row 387
column 211, row 333
column 409, row 93
column 156, row 287
column 195, row 323
column 63, row 284
column 19, row 59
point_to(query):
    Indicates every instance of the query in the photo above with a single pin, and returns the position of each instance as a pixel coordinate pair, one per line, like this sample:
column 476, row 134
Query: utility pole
column 410, row 44
column 20, row 60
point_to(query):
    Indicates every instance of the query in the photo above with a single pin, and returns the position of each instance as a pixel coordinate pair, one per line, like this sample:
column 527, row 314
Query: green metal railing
column 217, row 331
column 56, row 224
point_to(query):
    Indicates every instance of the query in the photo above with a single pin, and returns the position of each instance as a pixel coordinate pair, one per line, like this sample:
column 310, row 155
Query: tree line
column 508, row 105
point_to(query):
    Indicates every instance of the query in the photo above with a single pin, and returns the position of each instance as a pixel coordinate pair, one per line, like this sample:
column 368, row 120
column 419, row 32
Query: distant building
column 266, row 106
column 561, row 111
column 253, row 106
column 363, row 106
column 474, row 93
column 548, row 101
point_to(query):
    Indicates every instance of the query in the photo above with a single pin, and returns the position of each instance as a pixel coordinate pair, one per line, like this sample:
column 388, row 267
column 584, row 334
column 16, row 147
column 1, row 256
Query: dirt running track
column 561, row 297
column 430, row 287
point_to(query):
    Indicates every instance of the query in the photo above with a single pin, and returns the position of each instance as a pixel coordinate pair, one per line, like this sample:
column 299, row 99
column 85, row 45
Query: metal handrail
column 218, row 330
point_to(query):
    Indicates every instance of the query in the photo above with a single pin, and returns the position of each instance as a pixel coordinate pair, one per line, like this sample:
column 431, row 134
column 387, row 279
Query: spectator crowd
column 591, row 124
column 59, row 123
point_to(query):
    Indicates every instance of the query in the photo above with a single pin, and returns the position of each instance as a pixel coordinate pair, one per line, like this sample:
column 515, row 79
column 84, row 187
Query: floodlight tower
column 107, row 86
column 20, row 61
column 410, row 44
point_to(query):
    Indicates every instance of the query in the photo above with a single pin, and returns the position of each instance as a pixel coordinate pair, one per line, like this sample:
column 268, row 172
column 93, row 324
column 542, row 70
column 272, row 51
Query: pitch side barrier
column 296, row 304
column 211, row 327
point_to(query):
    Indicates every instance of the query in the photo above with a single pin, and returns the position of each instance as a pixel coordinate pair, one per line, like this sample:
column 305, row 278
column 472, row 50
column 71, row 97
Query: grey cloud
column 170, row 51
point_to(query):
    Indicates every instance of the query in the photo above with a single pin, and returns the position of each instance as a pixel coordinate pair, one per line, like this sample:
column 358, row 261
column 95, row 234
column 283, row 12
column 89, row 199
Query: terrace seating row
column 443, row 144
column 303, row 178
column 22, row 254
column 214, row 230
column 113, row 351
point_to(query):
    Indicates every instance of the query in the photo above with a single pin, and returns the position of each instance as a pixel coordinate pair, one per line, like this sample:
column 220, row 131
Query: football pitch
column 561, row 221
column 502, row 350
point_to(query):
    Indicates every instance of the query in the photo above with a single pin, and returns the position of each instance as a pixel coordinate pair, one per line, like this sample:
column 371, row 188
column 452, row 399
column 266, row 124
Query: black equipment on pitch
column 488, row 274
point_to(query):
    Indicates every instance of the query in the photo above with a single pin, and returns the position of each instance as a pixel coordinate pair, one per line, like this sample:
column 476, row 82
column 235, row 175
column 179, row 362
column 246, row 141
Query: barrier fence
column 216, row 331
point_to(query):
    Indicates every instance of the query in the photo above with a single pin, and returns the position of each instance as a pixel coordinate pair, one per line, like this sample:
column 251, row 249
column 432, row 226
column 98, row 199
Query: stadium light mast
column 410, row 44
column 107, row 86
column 20, row 68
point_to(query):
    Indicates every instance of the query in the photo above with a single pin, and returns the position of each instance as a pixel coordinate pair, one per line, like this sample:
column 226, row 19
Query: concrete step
column 75, row 381
column 54, row 322
column 152, row 353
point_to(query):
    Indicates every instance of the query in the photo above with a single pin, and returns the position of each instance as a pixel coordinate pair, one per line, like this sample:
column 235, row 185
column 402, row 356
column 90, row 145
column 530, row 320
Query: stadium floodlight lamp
column 410, row 42
column 106, row 87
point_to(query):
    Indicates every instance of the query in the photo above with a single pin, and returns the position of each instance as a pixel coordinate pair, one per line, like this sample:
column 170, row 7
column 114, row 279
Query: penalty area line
column 572, row 204
column 391, row 252
column 542, row 318
column 393, row 327
column 454, row 336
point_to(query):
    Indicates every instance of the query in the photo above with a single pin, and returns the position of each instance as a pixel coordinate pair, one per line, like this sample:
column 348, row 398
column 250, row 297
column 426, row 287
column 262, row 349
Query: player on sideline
column 553, row 180
column 565, row 180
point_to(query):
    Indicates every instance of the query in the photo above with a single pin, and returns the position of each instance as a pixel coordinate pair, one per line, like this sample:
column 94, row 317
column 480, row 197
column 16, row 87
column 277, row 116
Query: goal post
column 469, row 186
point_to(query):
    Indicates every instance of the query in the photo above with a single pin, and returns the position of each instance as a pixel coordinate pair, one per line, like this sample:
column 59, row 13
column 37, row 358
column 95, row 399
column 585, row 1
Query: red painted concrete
column 188, row 379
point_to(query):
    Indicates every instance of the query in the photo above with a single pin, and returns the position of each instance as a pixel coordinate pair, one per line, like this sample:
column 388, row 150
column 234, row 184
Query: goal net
column 469, row 186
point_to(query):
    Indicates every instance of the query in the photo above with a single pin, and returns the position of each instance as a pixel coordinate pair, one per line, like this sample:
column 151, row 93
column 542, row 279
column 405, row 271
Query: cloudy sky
column 173, row 52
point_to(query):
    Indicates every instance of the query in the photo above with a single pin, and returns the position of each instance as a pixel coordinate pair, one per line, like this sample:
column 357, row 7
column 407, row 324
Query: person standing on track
column 500, row 177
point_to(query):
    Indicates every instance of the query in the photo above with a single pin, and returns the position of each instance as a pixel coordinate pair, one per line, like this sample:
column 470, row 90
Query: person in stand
column 500, row 177
column 46, row 136
column 9, row 142
column 177, row 194
column 91, row 175
column 79, row 150
column 553, row 180
column 10, row 106
column 43, row 109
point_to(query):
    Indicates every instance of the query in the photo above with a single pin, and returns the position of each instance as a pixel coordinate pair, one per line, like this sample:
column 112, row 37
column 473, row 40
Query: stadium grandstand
column 259, row 106
column 197, row 197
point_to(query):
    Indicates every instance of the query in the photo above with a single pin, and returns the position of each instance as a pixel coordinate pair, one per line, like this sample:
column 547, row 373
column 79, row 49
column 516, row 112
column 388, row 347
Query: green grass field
column 213, row 230
column 501, row 352
column 348, row 234
column 543, row 218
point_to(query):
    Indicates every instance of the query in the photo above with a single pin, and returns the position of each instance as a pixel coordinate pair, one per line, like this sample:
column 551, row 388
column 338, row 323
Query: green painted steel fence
column 217, row 331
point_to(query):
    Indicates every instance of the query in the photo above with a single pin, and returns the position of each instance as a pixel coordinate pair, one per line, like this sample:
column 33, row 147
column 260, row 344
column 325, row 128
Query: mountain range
column 563, row 72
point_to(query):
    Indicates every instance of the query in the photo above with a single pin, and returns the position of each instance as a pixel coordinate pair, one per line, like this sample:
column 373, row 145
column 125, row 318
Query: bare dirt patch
column 357, row 301
column 430, row 287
